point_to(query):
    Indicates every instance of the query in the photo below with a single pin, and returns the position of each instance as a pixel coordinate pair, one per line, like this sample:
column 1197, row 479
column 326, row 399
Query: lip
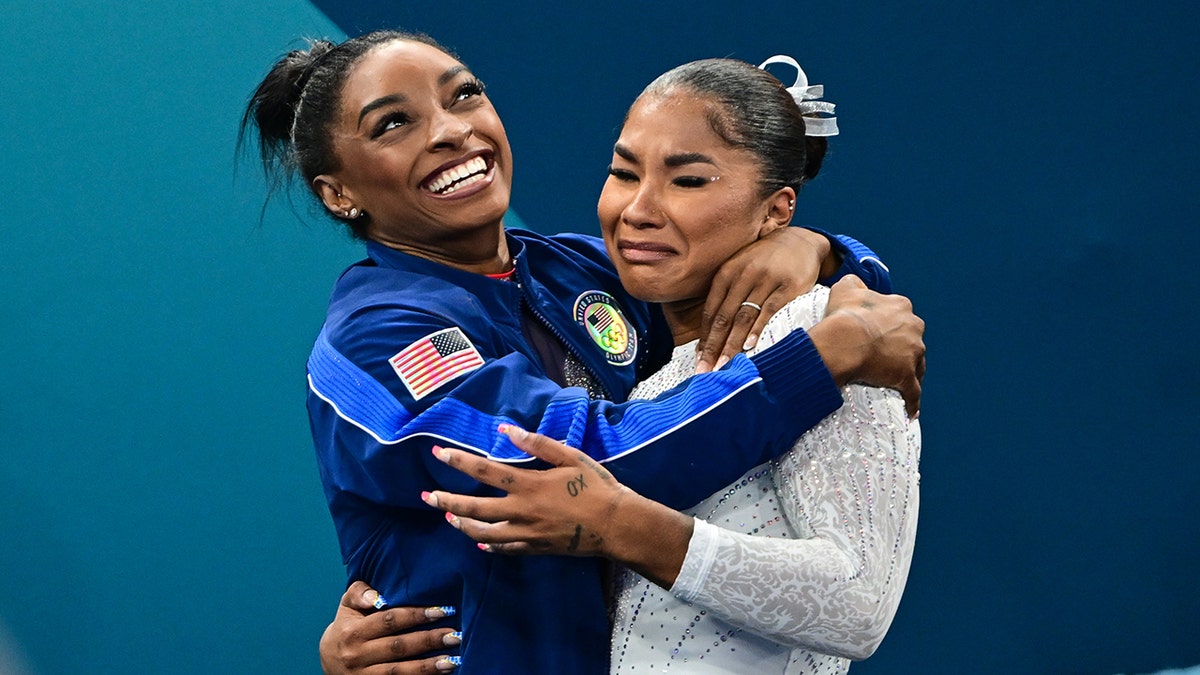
column 489, row 176
column 644, row 251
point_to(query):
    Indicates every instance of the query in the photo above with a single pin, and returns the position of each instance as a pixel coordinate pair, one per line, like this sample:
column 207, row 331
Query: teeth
column 458, row 186
column 460, row 176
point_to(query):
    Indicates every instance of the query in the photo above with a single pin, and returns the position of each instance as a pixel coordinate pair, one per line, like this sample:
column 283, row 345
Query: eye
column 468, row 90
column 692, row 181
column 623, row 175
column 393, row 120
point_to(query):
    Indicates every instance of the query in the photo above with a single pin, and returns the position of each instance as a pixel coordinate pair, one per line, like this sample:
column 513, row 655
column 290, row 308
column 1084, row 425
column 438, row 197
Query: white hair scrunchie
column 819, row 119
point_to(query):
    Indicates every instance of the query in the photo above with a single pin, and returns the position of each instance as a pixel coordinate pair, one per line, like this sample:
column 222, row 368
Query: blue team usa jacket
column 414, row 353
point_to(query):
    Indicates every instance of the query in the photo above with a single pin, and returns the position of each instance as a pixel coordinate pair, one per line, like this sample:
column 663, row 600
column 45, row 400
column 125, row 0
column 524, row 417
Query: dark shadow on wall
column 1028, row 172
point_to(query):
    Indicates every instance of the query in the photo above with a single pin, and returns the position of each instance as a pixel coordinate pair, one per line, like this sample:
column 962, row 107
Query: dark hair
column 754, row 112
column 295, row 104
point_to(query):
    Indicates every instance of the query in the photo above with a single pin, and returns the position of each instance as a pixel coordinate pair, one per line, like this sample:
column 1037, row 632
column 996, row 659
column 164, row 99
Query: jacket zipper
column 561, row 338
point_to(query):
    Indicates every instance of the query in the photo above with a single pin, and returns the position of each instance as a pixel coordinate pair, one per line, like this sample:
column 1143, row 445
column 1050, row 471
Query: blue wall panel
column 1027, row 170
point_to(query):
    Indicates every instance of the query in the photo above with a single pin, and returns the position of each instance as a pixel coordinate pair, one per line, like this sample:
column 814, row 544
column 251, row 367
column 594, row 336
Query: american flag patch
column 600, row 321
column 434, row 360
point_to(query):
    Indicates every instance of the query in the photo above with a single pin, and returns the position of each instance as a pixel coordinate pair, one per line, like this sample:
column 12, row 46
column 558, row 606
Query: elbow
column 871, row 608
column 865, row 633
column 865, row 650
column 861, row 645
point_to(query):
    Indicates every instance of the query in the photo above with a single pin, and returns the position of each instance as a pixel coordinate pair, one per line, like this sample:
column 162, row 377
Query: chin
column 651, row 291
column 486, row 213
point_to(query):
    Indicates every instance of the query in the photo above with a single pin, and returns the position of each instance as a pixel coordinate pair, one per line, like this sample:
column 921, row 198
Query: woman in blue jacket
column 452, row 326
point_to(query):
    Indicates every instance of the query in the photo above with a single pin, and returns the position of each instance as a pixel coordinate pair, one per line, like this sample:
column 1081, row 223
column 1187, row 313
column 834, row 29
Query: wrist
column 829, row 257
column 648, row 537
column 838, row 338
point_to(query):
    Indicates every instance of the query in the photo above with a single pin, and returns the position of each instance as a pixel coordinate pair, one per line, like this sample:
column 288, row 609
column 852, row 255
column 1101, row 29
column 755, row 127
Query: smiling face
column 421, row 151
column 679, row 200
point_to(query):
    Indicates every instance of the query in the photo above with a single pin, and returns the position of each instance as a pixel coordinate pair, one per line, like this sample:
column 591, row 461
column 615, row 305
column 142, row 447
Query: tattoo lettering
column 574, row 545
column 591, row 464
column 575, row 486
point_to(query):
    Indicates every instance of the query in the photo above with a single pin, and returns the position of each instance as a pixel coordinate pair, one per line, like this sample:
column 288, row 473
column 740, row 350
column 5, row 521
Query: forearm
column 849, row 496
column 368, row 437
column 803, row 593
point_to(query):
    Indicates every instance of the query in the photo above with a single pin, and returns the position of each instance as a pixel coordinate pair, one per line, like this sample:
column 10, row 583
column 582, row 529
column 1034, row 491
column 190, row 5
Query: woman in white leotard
column 796, row 568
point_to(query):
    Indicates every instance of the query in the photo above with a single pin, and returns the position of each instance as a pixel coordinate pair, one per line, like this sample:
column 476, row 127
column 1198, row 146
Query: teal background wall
column 160, row 510
column 1028, row 171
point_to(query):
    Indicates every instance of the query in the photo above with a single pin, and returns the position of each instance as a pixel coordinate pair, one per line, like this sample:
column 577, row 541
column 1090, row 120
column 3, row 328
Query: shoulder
column 802, row 312
column 369, row 301
column 378, row 314
column 577, row 248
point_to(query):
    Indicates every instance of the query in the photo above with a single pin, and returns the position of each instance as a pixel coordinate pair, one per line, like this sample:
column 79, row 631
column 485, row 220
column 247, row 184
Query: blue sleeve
column 858, row 260
column 774, row 397
column 374, row 440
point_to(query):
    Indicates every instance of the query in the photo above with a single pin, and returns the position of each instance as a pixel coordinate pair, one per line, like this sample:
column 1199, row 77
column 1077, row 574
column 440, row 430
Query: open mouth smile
column 465, row 173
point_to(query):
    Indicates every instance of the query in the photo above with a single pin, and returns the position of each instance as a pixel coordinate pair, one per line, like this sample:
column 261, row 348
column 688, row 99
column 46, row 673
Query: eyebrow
column 449, row 74
column 379, row 103
column 624, row 153
column 400, row 98
column 673, row 161
column 684, row 158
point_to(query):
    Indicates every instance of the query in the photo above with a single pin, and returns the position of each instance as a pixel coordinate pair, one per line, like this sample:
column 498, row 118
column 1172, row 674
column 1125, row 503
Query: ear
column 780, row 207
column 332, row 194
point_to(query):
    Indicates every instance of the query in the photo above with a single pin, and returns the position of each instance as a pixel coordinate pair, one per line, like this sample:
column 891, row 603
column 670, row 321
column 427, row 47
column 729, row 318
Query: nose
column 448, row 130
column 644, row 210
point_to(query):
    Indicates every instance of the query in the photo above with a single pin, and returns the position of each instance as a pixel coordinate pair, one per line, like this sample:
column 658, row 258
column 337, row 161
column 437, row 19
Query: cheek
column 720, row 231
column 608, row 210
column 493, row 128
column 384, row 170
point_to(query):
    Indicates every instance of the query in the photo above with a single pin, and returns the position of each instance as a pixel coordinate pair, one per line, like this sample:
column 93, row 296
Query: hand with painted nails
column 574, row 508
column 368, row 638
column 753, row 284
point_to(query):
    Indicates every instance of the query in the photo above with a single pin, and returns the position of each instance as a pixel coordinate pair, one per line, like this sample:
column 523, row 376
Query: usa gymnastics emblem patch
column 434, row 360
column 599, row 313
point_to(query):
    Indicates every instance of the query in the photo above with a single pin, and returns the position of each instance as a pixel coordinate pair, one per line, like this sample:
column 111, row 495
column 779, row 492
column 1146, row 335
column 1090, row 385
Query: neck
column 485, row 253
column 684, row 317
